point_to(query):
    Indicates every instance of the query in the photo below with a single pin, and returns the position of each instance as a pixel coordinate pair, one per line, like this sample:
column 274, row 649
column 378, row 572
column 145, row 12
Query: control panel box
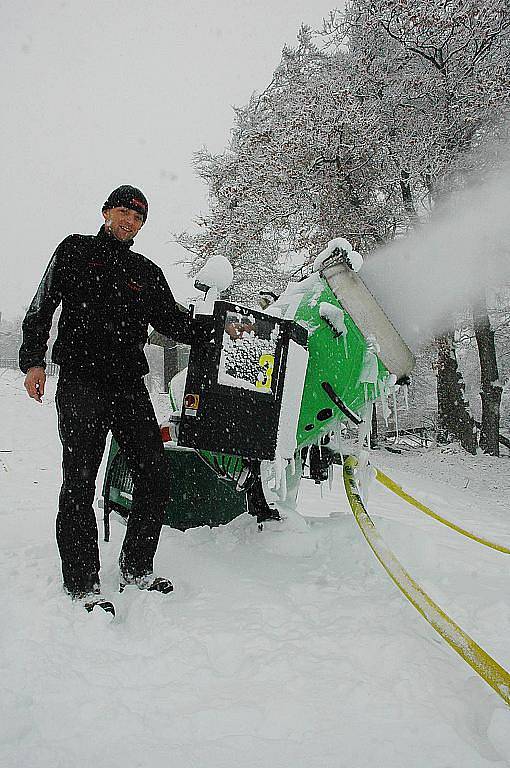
column 235, row 383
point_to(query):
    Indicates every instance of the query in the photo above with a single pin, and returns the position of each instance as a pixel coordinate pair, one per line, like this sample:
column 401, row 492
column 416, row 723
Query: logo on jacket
column 137, row 287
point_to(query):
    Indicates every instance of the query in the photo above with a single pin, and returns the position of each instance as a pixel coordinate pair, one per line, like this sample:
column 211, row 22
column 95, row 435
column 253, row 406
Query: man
column 109, row 295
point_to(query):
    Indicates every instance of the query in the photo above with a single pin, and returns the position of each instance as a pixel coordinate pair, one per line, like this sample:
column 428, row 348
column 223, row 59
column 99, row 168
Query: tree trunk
column 374, row 437
column 408, row 199
column 455, row 422
column 491, row 389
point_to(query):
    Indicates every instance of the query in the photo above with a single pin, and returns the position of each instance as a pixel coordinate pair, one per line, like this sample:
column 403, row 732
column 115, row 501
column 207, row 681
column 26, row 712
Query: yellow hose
column 478, row 659
column 392, row 486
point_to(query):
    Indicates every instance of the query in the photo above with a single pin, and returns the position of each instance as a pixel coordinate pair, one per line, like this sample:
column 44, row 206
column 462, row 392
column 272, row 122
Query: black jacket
column 109, row 295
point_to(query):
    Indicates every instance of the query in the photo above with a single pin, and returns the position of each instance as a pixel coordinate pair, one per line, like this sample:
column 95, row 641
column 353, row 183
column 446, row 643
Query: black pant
column 87, row 410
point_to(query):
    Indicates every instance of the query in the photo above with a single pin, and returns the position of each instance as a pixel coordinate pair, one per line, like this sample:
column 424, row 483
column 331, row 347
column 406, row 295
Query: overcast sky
column 102, row 93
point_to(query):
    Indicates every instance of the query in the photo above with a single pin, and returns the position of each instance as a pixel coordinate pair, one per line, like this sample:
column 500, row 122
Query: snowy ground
column 282, row 648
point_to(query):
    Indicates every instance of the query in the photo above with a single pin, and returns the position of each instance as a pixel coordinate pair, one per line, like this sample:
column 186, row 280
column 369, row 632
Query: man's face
column 123, row 223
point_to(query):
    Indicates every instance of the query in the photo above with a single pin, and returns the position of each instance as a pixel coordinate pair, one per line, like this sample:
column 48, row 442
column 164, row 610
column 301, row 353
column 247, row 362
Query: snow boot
column 97, row 601
column 149, row 582
column 91, row 598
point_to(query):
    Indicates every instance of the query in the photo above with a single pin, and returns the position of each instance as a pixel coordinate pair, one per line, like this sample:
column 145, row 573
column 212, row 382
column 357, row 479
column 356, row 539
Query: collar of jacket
column 110, row 243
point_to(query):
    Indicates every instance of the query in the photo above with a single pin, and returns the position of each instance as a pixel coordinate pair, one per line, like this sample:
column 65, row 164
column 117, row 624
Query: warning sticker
column 191, row 402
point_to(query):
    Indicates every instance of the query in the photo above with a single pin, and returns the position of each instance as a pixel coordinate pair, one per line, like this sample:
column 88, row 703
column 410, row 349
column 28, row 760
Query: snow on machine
column 265, row 391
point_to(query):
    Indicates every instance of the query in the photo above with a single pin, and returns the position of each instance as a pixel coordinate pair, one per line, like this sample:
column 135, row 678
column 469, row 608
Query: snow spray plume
column 422, row 282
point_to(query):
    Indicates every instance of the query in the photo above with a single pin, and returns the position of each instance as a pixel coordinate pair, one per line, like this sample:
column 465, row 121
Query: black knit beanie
column 128, row 197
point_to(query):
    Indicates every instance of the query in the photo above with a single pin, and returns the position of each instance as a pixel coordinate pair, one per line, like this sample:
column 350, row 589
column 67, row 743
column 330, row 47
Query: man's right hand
column 34, row 383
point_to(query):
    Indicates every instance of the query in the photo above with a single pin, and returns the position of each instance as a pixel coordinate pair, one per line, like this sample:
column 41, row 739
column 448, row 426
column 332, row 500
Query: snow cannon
column 264, row 388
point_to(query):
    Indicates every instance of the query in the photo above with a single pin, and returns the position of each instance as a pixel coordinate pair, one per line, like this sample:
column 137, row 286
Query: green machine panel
column 198, row 495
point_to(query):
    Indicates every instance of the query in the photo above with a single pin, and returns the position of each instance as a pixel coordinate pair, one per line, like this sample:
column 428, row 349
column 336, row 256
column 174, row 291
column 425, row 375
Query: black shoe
column 99, row 602
column 160, row 584
column 149, row 582
column 91, row 598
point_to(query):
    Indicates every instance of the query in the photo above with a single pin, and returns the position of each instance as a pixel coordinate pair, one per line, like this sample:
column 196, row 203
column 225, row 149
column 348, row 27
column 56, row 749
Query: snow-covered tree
column 440, row 73
column 302, row 166
column 364, row 131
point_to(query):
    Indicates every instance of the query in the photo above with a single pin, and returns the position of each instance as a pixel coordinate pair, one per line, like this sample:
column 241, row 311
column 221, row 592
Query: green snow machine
column 265, row 392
